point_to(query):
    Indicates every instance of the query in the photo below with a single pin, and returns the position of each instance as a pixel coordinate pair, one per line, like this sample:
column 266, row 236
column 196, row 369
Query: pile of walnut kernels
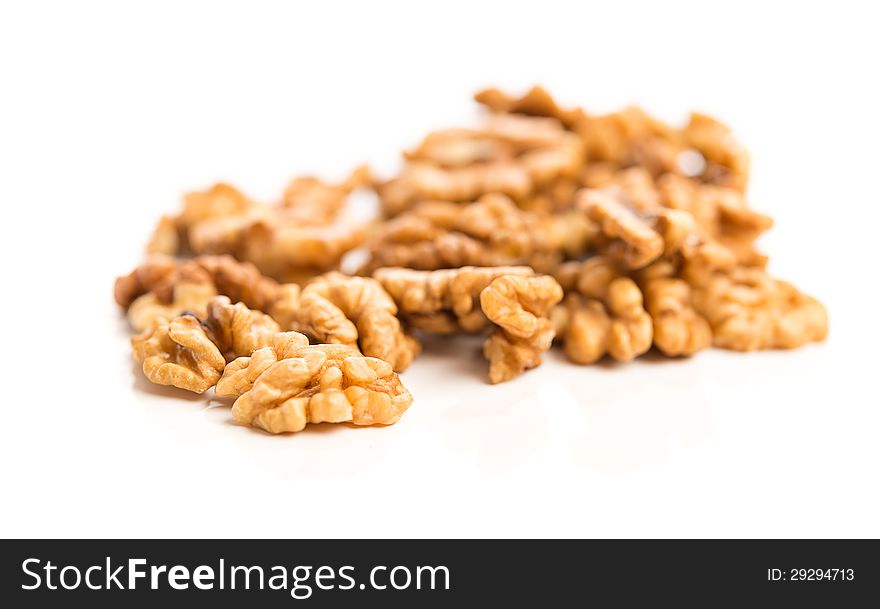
column 608, row 235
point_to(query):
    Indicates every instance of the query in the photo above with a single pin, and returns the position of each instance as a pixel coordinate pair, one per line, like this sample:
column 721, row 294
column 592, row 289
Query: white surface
column 109, row 112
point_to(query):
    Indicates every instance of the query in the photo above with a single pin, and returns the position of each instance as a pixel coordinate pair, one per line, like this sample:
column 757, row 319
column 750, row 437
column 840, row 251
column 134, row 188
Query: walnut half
column 511, row 301
column 519, row 306
column 283, row 387
column 190, row 353
column 750, row 310
column 603, row 313
column 354, row 311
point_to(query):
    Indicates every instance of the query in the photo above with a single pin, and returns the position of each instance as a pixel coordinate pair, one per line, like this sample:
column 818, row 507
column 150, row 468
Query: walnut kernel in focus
column 284, row 387
column 354, row 311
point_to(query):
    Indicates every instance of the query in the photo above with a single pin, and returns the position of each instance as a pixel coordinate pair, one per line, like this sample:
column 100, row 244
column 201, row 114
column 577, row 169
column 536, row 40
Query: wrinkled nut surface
column 511, row 154
column 643, row 225
column 638, row 231
column 237, row 330
column 703, row 149
column 284, row 387
column 147, row 309
column 631, row 326
column 492, row 231
column 583, row 326
column 443, row 301
column 727, row 162
column 702, row 220
column 511, row 300
column 353, row 311
column 750, row 310
column 241, row 373
column 289, row 251
column 315, row 201
column 240, row 281
column 187, row 351
column 678, row 328
column 157, row 274
column 179, row 353
column 602, row 313
column 635, row 242
column 519, row 306
column 301, row 236
column 160, row 276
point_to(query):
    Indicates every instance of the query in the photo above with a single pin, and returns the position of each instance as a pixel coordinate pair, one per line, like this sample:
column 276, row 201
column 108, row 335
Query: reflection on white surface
column 609, row 417
column 630, row 424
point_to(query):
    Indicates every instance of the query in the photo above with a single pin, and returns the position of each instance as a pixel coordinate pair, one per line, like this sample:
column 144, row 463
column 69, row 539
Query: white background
column 111, row 110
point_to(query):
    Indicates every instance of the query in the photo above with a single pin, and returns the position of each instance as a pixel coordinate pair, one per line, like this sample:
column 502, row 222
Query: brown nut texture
column 511, row 154
column 750, row 310
column 289, row 384
column 187, row 351
column 678, row 328
column 511, row 301
column 444, row 301
column 354, row 311
column 160, row 276
column 520, row 307
column 492, row 231
column 303, row 235
column 179, row 353
column 602, row 313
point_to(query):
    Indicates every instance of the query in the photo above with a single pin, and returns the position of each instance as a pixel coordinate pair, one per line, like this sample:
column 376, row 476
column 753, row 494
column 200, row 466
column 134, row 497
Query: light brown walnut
column 220, row 201
column 160, row 276
column 303, row 235
column 187, row 297
column 354, row 311
column 727, row 162
column 165, row 238
column 236, row 329
column 704, row 149
column 602, row 313
column 289, row 384
column 187, row 351
column 157, row 274
column 537, row 101
column 631, row 327
column 510, row 154
column 489, row 232
column 279, row 245
column 445, row 301
column 290, row 252
column 631, row 237
column 179, row 353
column 750, row 310
column 315, row 201
column 520, row 307
column 607, row 233
column 629, row 137
column 721, row 214
column 678, row 328
column 511, row 301
column 637, row 230
column 240, row 374
column 582, row 325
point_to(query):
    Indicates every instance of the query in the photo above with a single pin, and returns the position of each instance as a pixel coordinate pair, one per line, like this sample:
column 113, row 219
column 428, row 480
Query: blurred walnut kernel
column 489, row 232
column 302, row 235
